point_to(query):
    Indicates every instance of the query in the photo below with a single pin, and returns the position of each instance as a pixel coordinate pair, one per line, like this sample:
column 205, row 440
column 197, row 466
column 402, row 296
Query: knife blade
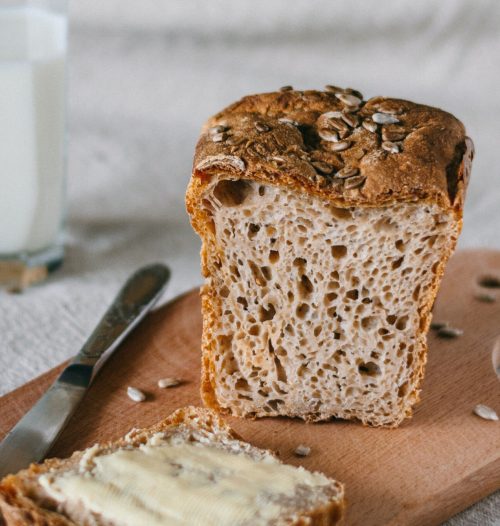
column 31, row 438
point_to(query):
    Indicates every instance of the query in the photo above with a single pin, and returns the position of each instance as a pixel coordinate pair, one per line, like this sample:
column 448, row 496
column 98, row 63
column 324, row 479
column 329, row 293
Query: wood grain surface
column 433, row 466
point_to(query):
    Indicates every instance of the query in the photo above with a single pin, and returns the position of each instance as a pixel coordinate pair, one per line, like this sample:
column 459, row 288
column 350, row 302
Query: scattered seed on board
column 286, row 88
column 135, row 394
column 437, row 325
column 302, row 451
column 485, row 298
column 163, row 383
column 449, row 332
column 384, row 118
column 483, row 411
column 390, row 147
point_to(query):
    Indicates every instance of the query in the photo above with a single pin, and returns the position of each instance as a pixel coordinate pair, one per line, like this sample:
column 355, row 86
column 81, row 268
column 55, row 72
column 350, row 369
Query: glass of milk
column 33, row 46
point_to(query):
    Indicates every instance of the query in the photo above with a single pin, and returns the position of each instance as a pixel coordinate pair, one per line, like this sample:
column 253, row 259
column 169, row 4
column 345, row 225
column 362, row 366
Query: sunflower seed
column 437, row 325
column 347, row 171
column 135, row 394
column 302, row 451
column 348, row 99
column 286, row 88
column 392, row 135
column 324, row 120
column 350, row 119
column 369, row 125
column 449, row 332
column 332, row 89
column 390, row 147
column 490, row 282
column 214, row 130
column 163, row 383
column 339, row 125
column 336, row 182
column 485, row 298
column 261, row 127
column 340, row 146
column 278, row 160
column 286, row 120
column 223, row 161
column 219, row 137
column 328, row 135
column 354, row 182
column 384, row 118
column 483, row 411
column 387, row 107
column 322, row 167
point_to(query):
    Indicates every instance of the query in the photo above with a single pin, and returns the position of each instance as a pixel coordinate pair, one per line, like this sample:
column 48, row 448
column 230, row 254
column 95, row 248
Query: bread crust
column 17, row 508
column 433, row 167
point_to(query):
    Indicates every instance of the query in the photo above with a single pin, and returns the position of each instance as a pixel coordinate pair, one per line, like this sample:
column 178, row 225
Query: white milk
column 32, row 128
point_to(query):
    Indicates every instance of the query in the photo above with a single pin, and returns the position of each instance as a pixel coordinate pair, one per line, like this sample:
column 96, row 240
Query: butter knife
column 31, row 438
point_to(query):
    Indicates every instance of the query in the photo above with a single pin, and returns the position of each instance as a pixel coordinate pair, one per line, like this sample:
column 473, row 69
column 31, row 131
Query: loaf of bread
column 326, row 223
column 190, row 470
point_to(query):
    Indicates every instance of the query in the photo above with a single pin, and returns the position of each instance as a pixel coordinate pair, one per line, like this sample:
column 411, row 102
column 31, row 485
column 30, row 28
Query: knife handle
column 131, row 304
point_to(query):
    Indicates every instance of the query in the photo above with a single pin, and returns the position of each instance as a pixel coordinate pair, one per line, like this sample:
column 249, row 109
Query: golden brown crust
column 279, row 138
column 18, row 509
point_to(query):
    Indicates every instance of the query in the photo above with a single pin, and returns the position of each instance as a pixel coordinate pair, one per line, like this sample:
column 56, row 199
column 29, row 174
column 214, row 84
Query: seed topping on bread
column 304, row 132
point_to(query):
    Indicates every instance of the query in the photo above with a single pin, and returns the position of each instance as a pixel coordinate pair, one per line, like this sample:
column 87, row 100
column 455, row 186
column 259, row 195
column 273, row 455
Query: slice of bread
column 190, row 469
column 326, row 224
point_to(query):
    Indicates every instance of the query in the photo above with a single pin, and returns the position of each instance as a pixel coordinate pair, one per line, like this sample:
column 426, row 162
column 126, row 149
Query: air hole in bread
column 369, row 323
column 397, row 263
column 385, row 224
column 274, row 256
column 369, row 369
column 352, row 294
column 266, row 272
column 305, row 286
column 403, row 390
column 242, row 385
column 262, row 190
column 232, row 193
column 339, row 251
column 252, row 230
column 302, row 311
column 341, row 213
column 242, row 301
column 224, row 292
column 267, row 314
column 400, row 245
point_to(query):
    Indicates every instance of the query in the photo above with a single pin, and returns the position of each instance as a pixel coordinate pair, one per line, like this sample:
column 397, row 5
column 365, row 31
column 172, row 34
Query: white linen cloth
column 145, row 75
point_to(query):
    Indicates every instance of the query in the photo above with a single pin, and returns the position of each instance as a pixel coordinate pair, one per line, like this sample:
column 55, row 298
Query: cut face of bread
column 317, row 311
column 189, row 470
column 326, row 222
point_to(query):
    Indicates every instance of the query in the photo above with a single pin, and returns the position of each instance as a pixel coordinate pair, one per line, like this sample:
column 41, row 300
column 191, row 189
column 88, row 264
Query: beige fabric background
column 143, row 77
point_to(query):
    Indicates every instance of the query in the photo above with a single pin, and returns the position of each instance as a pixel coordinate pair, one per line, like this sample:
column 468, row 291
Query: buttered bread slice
column 190, row 469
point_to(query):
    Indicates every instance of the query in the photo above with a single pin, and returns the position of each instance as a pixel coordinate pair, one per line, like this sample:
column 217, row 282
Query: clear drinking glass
column 33, row 50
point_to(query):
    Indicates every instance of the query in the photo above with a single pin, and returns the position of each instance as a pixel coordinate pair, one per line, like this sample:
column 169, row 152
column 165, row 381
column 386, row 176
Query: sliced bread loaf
column 326, row 224
column 190, row 469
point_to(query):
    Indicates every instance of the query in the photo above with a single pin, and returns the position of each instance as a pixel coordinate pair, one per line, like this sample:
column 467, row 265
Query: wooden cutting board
column 433, row 466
